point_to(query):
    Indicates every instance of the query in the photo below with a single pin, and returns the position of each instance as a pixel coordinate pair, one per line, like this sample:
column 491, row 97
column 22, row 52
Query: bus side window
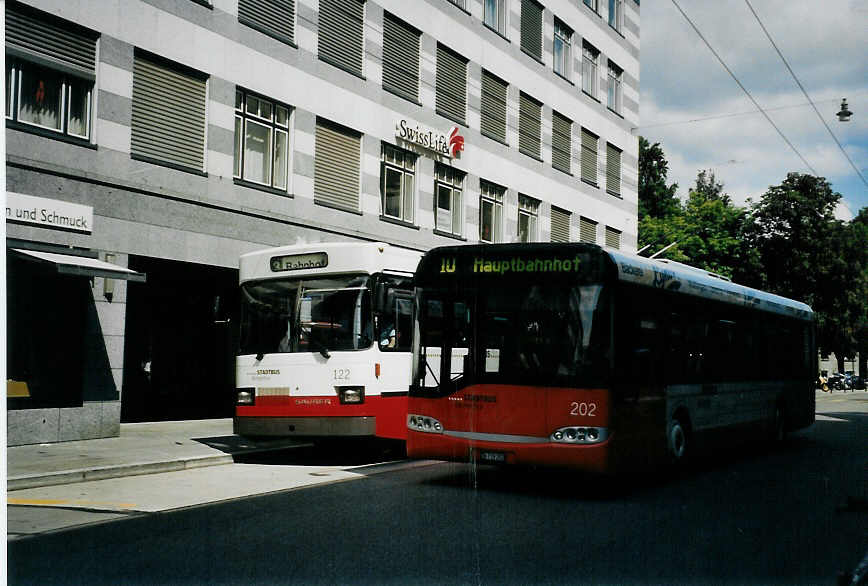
column 676, row 350
column 395, row 323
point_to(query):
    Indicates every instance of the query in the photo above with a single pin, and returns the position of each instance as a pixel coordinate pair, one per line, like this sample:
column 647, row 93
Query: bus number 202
column 583, row 409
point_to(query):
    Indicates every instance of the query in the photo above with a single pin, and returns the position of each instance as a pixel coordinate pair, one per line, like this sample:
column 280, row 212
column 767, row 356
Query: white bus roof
column 661, row 274
column 327, row 258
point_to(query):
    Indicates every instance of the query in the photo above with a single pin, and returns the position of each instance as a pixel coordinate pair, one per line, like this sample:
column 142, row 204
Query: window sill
column 565, row 78
column 593, row 10
column 495, row 138
column 617, row 31
column 532, row 56
column 169, row 164
column 497, row 32
column 449, row 235
column 260, row 187
column 591, row 183
column 397, row 222
column 591, row 96
column 531, row 155
column 564, row 171
column 464, row 10
column 450, row 117
column 342, row 67
column 402, row 95
column 338, row 208
column 615, row 112
column 45, row 133
column 613, row 194
column 205, row 3
column 283, row 39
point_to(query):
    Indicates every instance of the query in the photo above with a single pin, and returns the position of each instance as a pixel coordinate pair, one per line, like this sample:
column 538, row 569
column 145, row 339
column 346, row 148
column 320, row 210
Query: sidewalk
column 141, row 448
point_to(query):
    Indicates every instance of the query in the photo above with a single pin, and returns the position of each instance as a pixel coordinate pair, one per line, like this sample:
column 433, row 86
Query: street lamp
column 845, row 113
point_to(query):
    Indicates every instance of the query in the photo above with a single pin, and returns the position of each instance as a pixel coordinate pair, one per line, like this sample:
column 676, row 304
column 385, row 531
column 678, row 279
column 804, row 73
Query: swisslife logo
column 455, row 142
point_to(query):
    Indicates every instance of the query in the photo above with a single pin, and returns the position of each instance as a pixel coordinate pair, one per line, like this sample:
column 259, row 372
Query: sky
column 704, row 120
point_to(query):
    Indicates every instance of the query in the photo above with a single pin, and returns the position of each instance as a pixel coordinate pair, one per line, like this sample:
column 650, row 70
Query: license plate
column 492, row 456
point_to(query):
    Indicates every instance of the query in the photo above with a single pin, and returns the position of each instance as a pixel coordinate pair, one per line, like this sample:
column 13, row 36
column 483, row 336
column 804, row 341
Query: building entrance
column 179, row 342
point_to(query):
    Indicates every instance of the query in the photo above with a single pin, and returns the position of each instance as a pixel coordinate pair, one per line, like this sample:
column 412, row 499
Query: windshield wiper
column 323, row 350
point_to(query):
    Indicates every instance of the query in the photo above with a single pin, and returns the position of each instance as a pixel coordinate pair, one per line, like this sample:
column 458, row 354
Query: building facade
column 151, row 142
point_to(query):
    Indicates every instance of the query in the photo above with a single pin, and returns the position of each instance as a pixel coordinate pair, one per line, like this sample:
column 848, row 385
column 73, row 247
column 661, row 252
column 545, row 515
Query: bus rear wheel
column 678, row 440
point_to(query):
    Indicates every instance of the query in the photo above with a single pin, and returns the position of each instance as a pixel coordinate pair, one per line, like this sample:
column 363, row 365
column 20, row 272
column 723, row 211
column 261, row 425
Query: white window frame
column 491, row 195
column 590, row 65
column 528, row 208
column 451, row 182
column 494, row 15
column 17, row 70
column 616, row 14
column 244, row 117
column 406, row 168
column 592, row 4
column 563, row 35
column 614, row 97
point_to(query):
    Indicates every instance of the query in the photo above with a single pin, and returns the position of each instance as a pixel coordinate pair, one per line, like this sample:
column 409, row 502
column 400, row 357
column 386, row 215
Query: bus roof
column 631, row 268
column 327, row 258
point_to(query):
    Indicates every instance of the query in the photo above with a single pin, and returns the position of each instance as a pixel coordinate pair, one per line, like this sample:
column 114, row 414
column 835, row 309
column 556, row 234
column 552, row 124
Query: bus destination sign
column 297, row 262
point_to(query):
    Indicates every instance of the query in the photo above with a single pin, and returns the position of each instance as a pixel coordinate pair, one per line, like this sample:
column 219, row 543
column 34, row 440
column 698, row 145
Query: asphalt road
column 793, row 515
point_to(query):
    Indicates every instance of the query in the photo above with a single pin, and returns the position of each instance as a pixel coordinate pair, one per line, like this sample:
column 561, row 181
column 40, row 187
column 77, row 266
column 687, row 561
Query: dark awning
column 67, row 264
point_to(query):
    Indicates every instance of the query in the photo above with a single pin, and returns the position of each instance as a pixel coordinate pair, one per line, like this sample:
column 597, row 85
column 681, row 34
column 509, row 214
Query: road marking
column 67, row 502
column 819, row 417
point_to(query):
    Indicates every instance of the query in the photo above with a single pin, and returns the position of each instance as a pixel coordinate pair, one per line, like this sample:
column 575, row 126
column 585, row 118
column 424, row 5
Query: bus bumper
column 304, row 426
column 594, row 458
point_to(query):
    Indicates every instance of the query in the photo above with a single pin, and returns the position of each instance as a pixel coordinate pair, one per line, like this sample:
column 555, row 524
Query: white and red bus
column 573, row 355
column 325, row 341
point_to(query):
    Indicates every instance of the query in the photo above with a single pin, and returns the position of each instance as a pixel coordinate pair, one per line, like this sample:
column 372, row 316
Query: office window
column 400, row 58
column 462, row 4
column 448, row 206
column 587, row 230
column 563, row 49
column 616, row 14
column 341, row 34
column 562, row 131
column 493, row 108
column 589, row 70
column 613, row 237
column 614, row 101
column 50, row 73
column 529, row 125
column 531, row 28
column 337, row 166
column 495, row 15
column 528, row 211
column 168, row 122
column 613, row 169
column 275, row 18
column 592, row 4
column 397, row 183
column 490, row 212
column 589, row 157
column 560, row 225
column 261, row 141
column 451, row 85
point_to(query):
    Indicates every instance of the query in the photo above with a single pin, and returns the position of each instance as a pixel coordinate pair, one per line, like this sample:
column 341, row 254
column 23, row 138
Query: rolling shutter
column 451, row 85
column 562, row 128
column 531, row 28
column 589, row 157
column 341, row 33
column 560, row 225
column 337, row 166
column 493, row 121
column 613, row 170
column 273, row 17
column 587, row 230
column 529, row 115
column 47, row 42
column 400, row 58
column 168, row 122
column 613, row 237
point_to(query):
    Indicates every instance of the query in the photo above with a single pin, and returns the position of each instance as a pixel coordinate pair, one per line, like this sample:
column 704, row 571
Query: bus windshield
column 544, row 333
column 306, row 315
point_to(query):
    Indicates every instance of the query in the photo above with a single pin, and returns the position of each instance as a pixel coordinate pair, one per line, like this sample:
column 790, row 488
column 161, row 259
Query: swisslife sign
column 449, row 144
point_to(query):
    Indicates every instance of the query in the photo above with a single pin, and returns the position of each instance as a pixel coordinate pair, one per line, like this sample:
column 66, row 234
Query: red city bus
column 572, row 355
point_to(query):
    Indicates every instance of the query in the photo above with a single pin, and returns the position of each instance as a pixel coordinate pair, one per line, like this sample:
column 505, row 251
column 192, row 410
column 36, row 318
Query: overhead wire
column 801, row 87
column 744, row 89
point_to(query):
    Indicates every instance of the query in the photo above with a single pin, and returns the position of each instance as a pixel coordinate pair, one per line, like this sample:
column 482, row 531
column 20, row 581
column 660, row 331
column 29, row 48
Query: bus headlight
column 246, row 396
column 579, row 435
column 424, row 424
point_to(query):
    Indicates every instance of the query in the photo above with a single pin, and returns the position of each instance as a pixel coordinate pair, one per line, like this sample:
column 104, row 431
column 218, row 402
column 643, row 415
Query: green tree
column 808, row 255
column 656, row 199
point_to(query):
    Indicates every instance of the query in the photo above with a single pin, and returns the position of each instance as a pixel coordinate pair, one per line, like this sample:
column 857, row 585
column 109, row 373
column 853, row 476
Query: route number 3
column 583, row 409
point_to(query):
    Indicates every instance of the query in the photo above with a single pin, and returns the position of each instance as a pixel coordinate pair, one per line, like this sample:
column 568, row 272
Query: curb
column 88, row 474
